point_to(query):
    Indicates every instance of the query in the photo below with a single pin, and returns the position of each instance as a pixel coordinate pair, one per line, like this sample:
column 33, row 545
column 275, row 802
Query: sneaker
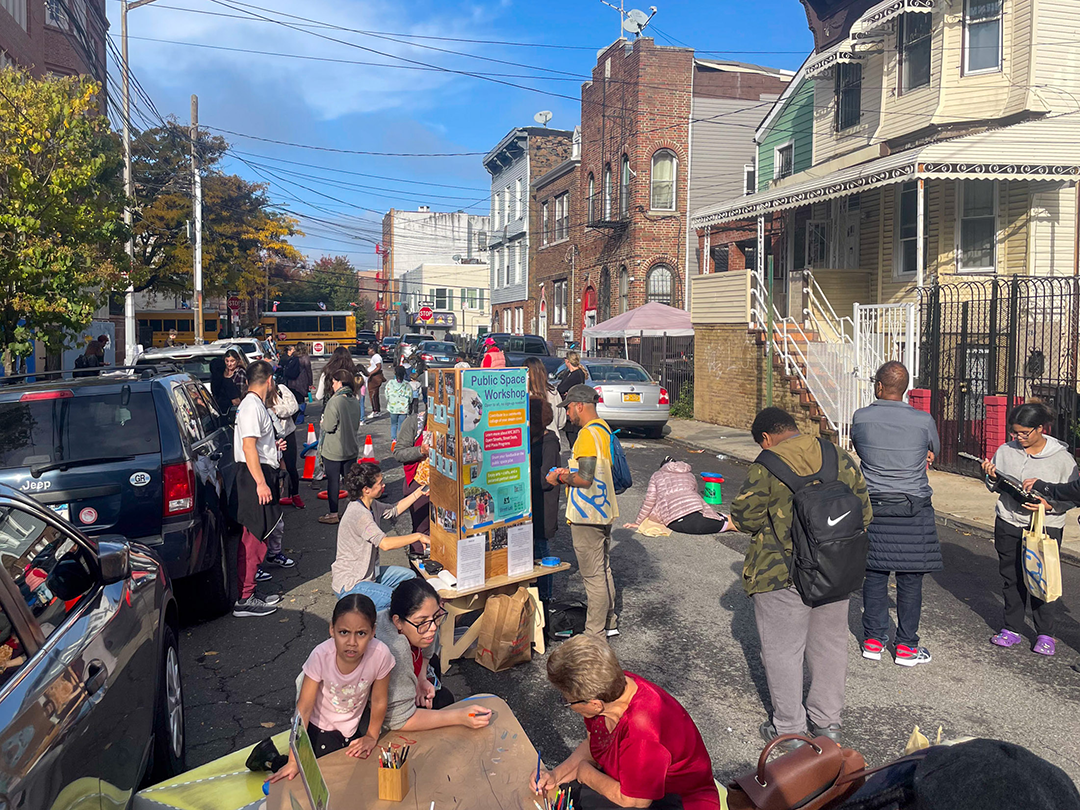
column 297, row 502
column 872, row 649
column 1044, row 645
column 269, row 598
column 252, row 606
column 1006, row 638
column 769, row 733
column 279, row 560
column 262, row 575
column 911, row 656
column 832, row 731
column 393, row 444
column 329, row 518
column 612, row 632
column 286, row 501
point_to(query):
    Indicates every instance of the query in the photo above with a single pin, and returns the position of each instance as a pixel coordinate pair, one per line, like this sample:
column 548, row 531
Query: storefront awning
column 1045, row 149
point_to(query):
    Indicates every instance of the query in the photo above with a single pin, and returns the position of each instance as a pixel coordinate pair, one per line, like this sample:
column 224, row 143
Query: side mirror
column 114, row 559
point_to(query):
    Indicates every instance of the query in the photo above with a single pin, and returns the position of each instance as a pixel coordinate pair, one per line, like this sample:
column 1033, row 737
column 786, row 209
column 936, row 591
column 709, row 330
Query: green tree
column 331, row 281
column 61, row 210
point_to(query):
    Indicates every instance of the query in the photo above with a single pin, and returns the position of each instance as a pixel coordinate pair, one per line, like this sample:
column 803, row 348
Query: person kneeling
column 643, row 749
column 673, row 500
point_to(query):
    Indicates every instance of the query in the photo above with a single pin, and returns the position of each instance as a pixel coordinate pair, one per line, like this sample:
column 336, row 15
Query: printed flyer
column 495, row 446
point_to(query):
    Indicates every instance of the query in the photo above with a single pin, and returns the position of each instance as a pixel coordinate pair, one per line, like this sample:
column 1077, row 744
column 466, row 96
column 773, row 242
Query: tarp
column 650, row 320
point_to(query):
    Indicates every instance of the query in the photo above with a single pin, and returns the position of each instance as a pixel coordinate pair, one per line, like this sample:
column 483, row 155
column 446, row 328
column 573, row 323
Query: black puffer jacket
column 903, row 535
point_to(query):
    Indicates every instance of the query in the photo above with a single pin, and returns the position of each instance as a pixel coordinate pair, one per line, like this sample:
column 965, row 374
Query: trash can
column 713, row 495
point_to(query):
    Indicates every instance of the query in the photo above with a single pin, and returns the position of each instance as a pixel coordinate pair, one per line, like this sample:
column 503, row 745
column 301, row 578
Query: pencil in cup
column 394, row 783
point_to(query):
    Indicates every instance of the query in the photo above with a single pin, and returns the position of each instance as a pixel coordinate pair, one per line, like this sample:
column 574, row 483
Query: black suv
column 141, row 452
column 517, row 348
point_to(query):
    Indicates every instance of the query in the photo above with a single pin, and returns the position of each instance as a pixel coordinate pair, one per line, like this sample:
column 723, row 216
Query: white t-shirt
column 374, row 362
column 253, row 419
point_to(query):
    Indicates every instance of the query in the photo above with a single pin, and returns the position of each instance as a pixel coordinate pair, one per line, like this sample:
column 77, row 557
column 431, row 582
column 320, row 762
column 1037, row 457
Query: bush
column 683, row 407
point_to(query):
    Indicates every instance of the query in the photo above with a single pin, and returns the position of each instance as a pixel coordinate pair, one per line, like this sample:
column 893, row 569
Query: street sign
column 234, row 303
column 426, row 312
column 318, row 348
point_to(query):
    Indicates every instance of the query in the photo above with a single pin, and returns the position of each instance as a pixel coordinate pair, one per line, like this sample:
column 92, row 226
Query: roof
column 781, row 102
column 1043, row 149
column 309, row 312
column 744, row 67
column 522, row 132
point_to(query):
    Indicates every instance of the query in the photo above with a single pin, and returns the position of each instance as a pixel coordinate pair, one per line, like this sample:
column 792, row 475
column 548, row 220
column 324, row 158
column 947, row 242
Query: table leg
column 452, row 648
column 539, row 620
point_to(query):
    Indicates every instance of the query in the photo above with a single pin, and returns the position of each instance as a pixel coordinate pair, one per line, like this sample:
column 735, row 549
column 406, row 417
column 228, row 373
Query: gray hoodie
column 1055, row 465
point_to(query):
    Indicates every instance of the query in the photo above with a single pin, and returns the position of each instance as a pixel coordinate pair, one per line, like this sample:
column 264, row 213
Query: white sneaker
column 612, row 631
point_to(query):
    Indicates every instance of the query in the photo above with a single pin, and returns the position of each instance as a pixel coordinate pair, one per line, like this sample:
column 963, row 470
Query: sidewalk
column 961, row 503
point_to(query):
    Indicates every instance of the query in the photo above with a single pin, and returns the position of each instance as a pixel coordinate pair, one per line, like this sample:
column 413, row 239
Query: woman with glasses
column 1030, row 454
column 642, row 749
column 417, row 699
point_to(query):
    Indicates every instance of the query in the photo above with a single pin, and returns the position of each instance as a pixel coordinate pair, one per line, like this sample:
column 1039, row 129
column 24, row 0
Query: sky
column 388, row 76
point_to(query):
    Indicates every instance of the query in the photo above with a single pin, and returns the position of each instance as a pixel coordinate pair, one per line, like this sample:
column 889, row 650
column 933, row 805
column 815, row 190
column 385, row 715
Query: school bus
column 332, row 329
column 154, row 326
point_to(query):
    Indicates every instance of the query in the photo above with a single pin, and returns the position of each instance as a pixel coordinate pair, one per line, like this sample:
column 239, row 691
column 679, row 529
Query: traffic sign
column 318, row 348
column 234, row 303
column 426, row 313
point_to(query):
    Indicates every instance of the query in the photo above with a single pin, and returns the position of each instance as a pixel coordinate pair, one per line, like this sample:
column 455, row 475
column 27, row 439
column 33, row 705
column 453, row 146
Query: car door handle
column 97, row 674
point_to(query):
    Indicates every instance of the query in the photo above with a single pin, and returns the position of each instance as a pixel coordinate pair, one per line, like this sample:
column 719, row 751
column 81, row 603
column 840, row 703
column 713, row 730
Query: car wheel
column 214, row 585
column 170, row 737
column 654, row 432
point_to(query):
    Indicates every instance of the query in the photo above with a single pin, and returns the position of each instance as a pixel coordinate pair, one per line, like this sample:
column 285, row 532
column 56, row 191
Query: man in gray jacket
column 896, row 443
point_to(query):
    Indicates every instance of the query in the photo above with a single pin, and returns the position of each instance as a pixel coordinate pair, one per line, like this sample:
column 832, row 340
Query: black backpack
column 827, row 535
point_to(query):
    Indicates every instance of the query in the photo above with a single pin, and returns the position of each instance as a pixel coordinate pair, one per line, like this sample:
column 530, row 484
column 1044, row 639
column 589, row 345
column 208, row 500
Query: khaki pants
column 592, row 546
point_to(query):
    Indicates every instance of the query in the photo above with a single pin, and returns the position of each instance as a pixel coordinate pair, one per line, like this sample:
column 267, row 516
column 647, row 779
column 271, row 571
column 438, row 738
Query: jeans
column 273, row 540
column 301, row 415
column 379, row 591
column 1009, row 542
column 875, row 594
column 395, row 424
column 334, row 471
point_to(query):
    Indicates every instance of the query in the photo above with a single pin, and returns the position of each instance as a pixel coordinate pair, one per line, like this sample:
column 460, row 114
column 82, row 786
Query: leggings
column 697, row 523
column 334, row 471
column 290, row 463
column 375, row 382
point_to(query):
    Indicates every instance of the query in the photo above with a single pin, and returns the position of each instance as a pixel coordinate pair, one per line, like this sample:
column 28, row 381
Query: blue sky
column 324, row 99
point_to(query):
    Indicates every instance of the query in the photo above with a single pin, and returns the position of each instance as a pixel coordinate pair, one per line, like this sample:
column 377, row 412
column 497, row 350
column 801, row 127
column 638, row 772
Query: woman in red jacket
column 493, row 356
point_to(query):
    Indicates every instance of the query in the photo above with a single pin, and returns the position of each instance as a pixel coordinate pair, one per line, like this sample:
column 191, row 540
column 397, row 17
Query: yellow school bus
column 320, row 326
column 154, row 326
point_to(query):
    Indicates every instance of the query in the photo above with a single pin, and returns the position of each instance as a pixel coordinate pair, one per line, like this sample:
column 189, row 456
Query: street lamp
column 130, row 338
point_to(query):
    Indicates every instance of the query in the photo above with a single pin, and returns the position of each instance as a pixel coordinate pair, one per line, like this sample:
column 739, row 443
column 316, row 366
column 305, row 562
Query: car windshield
column 605, row 373
column 441, row 348
column 42, row 431
column 199, row 364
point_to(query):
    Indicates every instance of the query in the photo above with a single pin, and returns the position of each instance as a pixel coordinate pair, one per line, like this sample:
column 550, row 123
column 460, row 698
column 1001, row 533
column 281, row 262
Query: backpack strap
column 829, row 472
column 830, row 462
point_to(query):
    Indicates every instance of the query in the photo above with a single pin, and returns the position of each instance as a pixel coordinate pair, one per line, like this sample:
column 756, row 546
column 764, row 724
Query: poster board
column 478, row 420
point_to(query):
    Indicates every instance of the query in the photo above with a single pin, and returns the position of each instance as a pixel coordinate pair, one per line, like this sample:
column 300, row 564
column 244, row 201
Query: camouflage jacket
column 764, row 504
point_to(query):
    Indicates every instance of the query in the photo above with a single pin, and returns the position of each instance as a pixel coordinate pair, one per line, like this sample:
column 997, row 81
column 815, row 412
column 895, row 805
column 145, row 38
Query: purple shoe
column 1044, row 645
column 1006, row 638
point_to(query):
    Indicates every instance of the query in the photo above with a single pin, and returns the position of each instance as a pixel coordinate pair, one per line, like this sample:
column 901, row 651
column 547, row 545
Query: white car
column 193, row 359
column 629, row 397
column 253, row 348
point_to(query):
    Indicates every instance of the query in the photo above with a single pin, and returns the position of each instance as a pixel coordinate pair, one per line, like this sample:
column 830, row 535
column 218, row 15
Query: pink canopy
column 650, row 320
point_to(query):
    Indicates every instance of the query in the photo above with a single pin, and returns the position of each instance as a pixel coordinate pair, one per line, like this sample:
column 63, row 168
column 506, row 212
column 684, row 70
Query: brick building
column 522, row 156
column 61, row 37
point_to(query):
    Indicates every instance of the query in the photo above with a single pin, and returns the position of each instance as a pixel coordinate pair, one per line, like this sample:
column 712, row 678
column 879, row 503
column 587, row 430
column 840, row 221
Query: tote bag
column 1042, row 563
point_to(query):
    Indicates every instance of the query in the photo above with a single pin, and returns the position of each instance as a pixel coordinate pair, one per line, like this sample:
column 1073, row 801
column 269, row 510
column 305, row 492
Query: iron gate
column 1014, row 337
column 670, row 360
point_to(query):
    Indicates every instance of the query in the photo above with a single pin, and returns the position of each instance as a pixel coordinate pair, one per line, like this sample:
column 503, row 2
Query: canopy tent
column 651, row 320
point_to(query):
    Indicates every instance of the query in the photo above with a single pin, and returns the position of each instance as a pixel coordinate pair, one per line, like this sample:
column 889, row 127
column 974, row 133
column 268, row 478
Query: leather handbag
column 812, row 777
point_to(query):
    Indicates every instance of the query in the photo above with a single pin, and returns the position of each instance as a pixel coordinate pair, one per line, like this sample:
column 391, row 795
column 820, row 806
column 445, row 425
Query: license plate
column 631, row 397
column 61, row 509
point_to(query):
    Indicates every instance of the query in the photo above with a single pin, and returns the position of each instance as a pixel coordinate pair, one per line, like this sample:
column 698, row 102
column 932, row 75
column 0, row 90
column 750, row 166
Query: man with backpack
column 591, row 505
column 806, row 508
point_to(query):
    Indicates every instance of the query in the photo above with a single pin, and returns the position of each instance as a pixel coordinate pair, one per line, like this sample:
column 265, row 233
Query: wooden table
column 457, row 768
column 458, row 603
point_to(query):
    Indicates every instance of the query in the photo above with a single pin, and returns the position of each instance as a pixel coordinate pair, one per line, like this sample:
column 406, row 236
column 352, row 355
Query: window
column 605, row 294
column 495, row 209
column 519, row 320
column 784, row 161
column 749, row 178
column 534, row 345
column 474, row 297
column 544, row 223
column 518, row 203
column 978, row 226
column 660, row 285
column 506, row 206
column 749, row 252
column 592, row 198
column 720, row 254
column 519, row 275
column 510, row 278
column 500, row 280
column 562, row 216
column 914, row 37
column 17, row 9
column 54, row 14
column 558, row 310
column 624, row 188
column 664, row 169
column 817, row 244
column 982, row 36
column 848, row 95
column 907, row 229
column 624, row 290
column 444, row 298
column 607, row 192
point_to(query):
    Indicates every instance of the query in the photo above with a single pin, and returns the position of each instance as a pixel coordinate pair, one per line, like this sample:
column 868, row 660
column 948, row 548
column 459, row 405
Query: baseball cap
column 489, row 341
column 580, row 393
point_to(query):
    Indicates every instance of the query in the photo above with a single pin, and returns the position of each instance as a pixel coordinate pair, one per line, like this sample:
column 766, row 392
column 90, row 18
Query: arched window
column 660, row 285
column 592, row 198
column 607, row 192
column 665, row 168
column 624, row 188
column 624, row 290
column 605, row 294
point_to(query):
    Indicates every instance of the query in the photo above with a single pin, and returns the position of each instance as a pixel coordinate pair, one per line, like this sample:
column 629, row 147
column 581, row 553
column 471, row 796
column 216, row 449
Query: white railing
column 819, row 313
column 834, row 386
column 884, row 332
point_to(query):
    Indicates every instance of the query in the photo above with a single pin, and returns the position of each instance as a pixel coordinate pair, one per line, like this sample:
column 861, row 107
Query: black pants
column 290, row 463
column 1008, row 540
column 588, row 799
column 327, row 742
column 571, row 430
column 334, row 471
column 697, row 523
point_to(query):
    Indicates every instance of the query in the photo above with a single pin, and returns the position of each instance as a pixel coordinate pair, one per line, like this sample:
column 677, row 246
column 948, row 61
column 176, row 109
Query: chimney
column 424, row 209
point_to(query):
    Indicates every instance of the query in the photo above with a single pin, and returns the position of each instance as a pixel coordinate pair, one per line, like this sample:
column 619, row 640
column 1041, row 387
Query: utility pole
column 196, row 177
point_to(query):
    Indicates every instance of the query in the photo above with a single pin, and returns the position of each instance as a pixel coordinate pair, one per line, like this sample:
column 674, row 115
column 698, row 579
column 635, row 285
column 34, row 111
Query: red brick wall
column 44, row 49
column 548, row 264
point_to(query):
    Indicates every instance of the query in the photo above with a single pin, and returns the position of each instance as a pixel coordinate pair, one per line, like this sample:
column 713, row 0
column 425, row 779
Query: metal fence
column 668, row 359
column 1014, row 337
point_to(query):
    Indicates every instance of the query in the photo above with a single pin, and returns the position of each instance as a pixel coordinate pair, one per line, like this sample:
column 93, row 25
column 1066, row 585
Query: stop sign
column 425, row 313
column 234, row 303
column 318, row 347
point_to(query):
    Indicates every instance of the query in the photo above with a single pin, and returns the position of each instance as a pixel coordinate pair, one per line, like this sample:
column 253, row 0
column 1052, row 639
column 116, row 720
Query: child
column 339, row 675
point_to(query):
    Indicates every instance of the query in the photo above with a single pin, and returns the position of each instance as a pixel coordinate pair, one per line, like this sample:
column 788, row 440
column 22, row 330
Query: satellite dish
column 638, row 16
column 542, row 117
column 636, row 20
column 456, row 258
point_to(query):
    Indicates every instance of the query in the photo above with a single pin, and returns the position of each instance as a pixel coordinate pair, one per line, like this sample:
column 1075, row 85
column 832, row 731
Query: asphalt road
column 687, row 625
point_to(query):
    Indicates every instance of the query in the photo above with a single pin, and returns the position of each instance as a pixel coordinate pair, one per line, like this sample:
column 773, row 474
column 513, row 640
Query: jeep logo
column 35, row 486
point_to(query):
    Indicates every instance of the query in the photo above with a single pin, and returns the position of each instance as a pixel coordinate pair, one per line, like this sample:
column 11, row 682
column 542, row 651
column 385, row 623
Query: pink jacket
column 679, row 485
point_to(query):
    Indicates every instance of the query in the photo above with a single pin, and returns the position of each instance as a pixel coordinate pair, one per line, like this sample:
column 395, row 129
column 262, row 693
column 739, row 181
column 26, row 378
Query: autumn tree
column 331, row 281
column 61, row 210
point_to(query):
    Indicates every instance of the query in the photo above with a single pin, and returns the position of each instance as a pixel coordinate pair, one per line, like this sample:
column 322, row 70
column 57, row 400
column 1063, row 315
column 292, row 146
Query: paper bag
column 1042, row 564
column 506, row 631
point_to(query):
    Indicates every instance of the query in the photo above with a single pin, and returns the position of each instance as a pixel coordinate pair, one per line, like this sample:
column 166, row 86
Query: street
column 687, row 625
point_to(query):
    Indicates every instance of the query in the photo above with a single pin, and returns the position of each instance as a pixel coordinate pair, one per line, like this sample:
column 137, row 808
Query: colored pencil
column 538, row 767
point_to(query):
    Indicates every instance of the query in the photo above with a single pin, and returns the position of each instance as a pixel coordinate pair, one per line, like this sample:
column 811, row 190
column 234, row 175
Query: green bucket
column 713, row 494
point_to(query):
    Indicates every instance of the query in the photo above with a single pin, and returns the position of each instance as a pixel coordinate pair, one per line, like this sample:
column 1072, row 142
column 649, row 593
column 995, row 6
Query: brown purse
column 812, row 777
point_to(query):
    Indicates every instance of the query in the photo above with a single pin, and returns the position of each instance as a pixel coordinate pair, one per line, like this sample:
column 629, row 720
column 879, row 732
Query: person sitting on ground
column 493, row 355
column 361, row 535
column 673, row 500
column 642, row 749
column 409, row 629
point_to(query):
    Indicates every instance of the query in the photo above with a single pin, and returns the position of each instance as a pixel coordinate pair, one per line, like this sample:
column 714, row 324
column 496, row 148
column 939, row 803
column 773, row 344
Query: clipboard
column 311, row 776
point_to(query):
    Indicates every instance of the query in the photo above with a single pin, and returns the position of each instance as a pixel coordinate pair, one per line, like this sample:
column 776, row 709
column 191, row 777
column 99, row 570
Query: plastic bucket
column 713, row 494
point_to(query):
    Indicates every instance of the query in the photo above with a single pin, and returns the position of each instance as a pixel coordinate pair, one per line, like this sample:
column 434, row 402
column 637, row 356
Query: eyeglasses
column 577, row 702
column 1022, row 434
column 424, row 626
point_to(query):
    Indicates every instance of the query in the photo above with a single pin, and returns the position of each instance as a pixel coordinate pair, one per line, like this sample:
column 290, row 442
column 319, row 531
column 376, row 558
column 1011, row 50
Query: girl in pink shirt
column 339, row 677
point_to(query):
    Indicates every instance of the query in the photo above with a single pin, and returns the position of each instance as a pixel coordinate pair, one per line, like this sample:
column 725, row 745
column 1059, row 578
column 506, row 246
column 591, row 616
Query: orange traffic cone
column 309, row 453
column 369, row 452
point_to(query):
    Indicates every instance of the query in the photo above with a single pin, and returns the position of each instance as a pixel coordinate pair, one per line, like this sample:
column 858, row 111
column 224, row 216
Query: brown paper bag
column 506, row 631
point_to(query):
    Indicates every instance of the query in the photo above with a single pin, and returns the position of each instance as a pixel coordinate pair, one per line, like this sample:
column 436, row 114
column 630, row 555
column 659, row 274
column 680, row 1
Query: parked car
column 416, row 339
column 90, row 693
column 141, row 452
column 388, row 344
column 629, row 397
column 364, row 339
column 253, row 348
column 438, row 354
column 517, row 348
column 192, row 359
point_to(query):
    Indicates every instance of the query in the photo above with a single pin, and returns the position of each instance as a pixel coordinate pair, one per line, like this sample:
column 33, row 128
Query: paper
column 470, row 562
column 519, row 549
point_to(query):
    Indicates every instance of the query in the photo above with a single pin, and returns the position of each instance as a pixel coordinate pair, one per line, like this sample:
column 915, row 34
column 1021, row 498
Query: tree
column 331, row 281
column 61, row 210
